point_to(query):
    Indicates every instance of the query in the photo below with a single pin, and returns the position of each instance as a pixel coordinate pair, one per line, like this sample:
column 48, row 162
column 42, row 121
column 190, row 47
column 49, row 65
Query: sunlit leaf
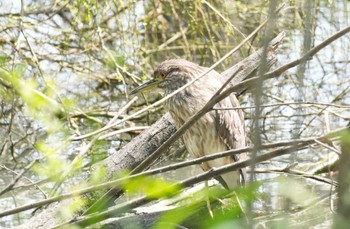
column 152, row 187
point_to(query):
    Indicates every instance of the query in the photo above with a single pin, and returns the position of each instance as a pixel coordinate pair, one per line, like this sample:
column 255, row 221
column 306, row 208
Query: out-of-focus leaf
column 152, row 187
column 112, row 59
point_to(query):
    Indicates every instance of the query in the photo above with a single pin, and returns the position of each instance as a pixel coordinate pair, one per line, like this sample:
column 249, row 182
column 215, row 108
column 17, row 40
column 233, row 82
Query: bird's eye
column 162, row 75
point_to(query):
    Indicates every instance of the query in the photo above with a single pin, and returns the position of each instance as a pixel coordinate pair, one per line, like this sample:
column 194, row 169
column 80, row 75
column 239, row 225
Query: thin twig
column 19, row 175
column 110, row 124
column 285, row 104
column 297, row 173
column 307, row 55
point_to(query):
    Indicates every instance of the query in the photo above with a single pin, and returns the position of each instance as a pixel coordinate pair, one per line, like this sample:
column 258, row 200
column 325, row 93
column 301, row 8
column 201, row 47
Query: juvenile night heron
column 217, row 130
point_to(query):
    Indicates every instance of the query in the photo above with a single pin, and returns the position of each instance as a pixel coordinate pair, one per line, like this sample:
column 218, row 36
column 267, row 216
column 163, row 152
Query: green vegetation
column 66, row 68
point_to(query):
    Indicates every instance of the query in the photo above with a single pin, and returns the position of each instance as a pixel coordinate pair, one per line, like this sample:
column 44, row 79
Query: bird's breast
column 201, row 139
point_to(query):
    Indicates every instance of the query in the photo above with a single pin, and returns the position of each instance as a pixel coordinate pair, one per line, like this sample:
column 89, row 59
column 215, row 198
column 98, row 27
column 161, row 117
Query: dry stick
column 35, row 59
column 331, row 148
column 320, row 112
column 310, row 204
column 286, row 104
column 298, row 173
column 129, row 129
column 226, row 20
column 316, row 105
column 15, row 180
column 113, row 212
column 109, row 125
column 305, row 142
column 307, row 55
column 280, row 70
column 36, row 183
column 302, row 143
column 257, row 94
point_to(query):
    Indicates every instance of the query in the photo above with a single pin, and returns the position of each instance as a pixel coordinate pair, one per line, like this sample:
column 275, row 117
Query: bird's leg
column 208, row 200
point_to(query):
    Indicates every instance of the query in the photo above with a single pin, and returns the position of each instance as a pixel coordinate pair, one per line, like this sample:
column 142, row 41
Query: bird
column 216, row 131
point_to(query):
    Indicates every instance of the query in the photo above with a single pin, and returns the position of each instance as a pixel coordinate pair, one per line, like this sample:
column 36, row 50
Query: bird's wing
column 231, row 128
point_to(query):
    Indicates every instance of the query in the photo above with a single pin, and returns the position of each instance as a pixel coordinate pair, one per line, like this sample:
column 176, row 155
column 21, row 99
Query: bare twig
column 19, row 175
column 110, row 124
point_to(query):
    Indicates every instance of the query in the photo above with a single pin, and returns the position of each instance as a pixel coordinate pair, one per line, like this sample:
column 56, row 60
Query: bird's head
column 171, row 75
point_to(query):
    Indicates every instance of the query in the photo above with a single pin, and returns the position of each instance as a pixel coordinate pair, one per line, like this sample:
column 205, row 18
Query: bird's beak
column 146, row 86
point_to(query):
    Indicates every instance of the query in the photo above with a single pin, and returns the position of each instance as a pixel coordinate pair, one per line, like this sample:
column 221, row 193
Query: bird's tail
column 230, row 180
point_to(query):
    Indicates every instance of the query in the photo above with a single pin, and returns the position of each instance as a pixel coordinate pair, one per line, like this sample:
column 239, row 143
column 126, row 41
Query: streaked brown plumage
column 217, row 130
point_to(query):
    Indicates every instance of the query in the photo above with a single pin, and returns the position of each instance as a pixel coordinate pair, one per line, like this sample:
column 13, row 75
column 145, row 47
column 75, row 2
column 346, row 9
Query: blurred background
column 67, row 66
